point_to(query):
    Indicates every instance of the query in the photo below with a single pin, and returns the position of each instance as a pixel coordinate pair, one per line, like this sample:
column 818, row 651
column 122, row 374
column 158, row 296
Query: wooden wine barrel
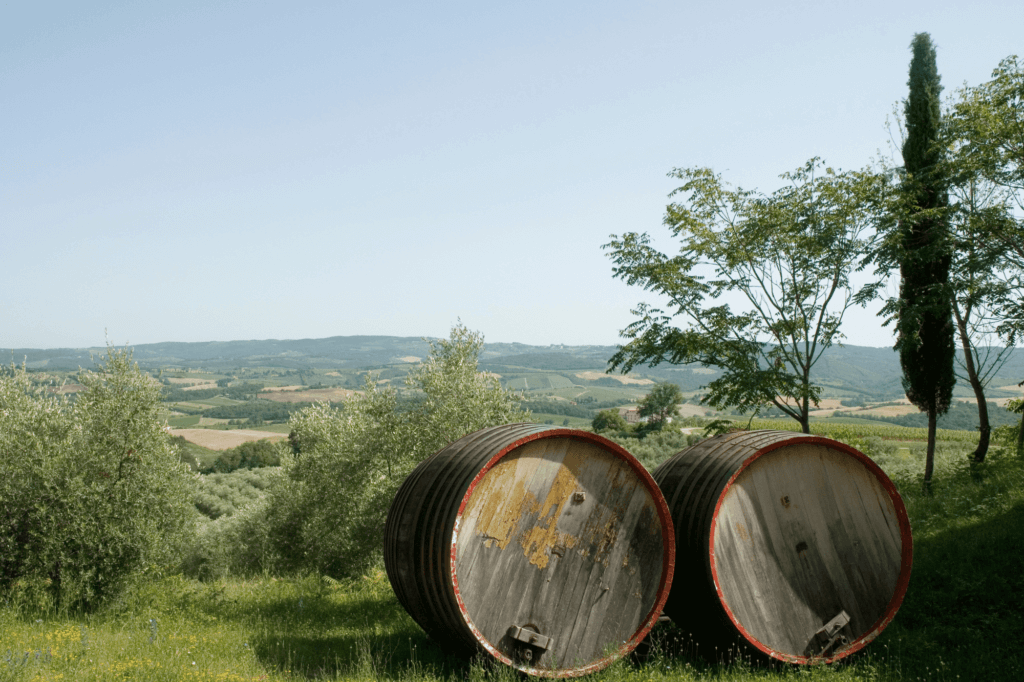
column 550, row 549
column 797, row 545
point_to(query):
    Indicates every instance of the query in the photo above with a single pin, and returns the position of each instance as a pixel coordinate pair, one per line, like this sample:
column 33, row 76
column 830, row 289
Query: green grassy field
column 183, row 422
column 276, row 428
column 559, row 420
column 962, row 618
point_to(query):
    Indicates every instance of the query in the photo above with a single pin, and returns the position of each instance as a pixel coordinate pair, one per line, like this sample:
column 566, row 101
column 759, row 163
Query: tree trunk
column 979, row 391
column 805, row 412
column 929, row 458
column 984, row 428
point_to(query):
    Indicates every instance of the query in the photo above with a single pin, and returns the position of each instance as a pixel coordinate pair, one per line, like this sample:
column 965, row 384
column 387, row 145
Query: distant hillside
column 848, row 371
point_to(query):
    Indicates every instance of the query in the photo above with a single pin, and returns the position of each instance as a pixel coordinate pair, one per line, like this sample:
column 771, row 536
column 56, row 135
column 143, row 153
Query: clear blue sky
column 179, row 171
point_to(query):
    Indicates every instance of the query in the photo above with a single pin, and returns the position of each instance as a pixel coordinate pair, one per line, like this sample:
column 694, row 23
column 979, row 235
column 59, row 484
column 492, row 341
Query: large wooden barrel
column 550, row 549
column 797, row 545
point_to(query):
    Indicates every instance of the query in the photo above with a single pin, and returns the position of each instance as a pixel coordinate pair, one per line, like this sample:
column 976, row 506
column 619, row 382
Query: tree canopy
column 661, row 404
column 783, row 259
column 328, row 513
column 92, row 494
column 985, row 138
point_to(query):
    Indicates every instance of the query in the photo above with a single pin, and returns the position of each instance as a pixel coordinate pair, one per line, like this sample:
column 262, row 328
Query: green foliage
column 788, row 256
column 183, row 422
column 245, row 391
column 196, row 457
column 916, row 237
column 608, row 420
column 249, row 455
column 656, row 447
column 255, row 411
column 661, row 404
column 328, row 514
column 985, row 167
column 924, row 317
column 987, row 120
column 223, row 494
column 1012, row 436
column 563, row 407
column 92, row 493
column 963, row 606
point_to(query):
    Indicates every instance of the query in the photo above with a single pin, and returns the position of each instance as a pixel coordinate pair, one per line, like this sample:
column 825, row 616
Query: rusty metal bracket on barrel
column 530, row 637
column 828, row 636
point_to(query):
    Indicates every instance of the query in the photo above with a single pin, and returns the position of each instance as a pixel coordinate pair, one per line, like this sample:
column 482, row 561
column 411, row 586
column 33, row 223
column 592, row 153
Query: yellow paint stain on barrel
column 538, row 541
column 500, row 500
column 505, row 508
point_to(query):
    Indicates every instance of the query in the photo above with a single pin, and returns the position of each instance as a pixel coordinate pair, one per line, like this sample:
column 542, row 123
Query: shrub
column 657, row 446
column 223, row 494
column 240, row 541
column 609, row 420
column 250, row 455
column 328, row 513
column 93, row 492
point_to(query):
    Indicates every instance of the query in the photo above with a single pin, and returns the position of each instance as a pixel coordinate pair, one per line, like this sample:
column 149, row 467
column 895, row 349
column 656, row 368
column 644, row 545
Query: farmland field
column 621, row 378
column 216, row 439
column 283, row 395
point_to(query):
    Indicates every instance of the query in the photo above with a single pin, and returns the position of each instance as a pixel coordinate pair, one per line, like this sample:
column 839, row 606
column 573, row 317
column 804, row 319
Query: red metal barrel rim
column 905, row 540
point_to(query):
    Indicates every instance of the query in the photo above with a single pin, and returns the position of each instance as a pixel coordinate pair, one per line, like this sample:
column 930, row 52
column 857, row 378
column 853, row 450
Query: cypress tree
column 925, row 331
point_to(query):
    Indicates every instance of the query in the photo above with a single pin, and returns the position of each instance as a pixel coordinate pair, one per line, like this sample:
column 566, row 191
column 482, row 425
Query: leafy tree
column 661, row 403
column 921, row 245
column 974, row 157
column 986, row 157
column 982, row 285
column 785, row 258
column 989, row 119
column 92, row 492
column 250, row 455
column 329, row 512
column 608, row 420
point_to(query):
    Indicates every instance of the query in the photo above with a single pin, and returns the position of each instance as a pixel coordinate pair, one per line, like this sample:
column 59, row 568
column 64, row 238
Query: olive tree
column 784, row 260
column 328, row 514
column 92, row 493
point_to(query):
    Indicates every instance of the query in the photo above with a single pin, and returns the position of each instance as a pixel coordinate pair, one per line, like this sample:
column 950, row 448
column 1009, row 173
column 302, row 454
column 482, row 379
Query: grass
column 183, row 422
column 559, row 420
column 282, row 427
column 962, row 618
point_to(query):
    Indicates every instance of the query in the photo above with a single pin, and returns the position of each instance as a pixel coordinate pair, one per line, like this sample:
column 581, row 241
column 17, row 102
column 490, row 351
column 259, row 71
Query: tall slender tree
column 924, row 319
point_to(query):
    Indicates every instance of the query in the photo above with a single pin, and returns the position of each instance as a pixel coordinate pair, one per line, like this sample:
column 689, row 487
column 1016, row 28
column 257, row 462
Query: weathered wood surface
column 777, row 534
column 565, row 536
